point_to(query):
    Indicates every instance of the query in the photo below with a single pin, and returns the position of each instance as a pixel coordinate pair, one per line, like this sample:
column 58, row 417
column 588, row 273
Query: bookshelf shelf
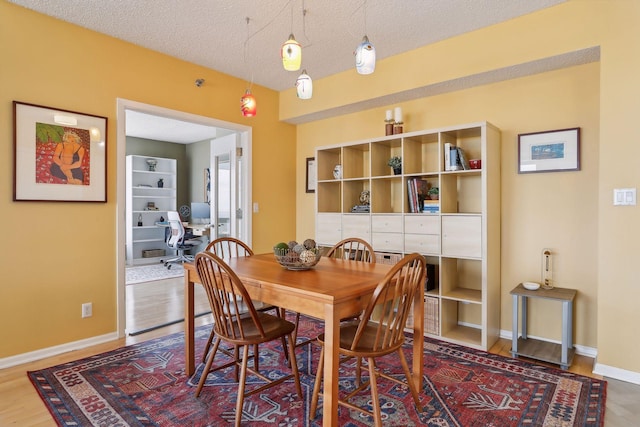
column 459, row 233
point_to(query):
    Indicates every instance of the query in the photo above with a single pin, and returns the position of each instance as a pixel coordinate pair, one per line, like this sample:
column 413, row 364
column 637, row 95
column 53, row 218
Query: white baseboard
column 580, row 349
column 19, row 359
column 616, row 373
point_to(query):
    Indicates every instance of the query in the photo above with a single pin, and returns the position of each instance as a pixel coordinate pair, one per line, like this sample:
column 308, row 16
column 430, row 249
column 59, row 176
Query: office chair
column 178, row 240
column 379, row 332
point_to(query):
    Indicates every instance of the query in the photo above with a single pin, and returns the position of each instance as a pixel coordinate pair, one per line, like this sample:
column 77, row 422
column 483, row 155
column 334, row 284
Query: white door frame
column 121, row 143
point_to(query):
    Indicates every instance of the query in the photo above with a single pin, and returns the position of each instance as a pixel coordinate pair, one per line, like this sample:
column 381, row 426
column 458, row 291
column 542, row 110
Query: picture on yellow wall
column 549, row 151
column 60, row 155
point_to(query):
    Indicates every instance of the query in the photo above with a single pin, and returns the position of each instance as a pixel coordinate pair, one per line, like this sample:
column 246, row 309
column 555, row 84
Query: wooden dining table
column 330, row 291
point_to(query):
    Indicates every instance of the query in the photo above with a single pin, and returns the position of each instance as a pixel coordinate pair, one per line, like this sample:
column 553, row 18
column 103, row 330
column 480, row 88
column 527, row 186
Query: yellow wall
column 570, row 212
column 538, row 210
column 64, row 254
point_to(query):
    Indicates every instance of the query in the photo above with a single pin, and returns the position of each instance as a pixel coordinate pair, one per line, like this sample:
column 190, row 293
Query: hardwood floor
column 162, row 302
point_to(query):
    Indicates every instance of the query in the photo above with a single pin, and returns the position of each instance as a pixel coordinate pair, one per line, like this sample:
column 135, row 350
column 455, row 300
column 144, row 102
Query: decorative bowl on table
column 294, row 256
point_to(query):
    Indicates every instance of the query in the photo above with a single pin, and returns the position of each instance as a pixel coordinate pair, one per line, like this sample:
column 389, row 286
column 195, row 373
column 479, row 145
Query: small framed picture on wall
column 311, row 175
column 549, row 151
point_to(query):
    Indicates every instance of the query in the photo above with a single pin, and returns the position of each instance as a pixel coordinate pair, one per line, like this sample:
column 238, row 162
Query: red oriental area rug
column 144, row 385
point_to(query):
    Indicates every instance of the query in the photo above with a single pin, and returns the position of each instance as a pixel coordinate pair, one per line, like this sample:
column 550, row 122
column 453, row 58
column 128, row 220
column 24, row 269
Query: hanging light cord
column 246, row 43
column 259, row 30
column 362, row 5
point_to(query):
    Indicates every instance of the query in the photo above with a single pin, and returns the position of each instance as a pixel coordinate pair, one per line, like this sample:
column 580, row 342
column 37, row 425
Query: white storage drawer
column 462, row 236
column 422, row 224
column 422, row 243
column 386, row 224
column 356, row 226
column 329, row 229
column 389, row 242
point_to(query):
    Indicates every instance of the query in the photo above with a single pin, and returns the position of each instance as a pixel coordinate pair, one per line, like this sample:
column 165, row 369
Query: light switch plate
column 624, row 196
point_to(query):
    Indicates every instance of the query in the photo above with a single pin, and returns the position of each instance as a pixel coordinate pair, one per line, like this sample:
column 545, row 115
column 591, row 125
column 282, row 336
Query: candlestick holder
column 397, row 128
column 388, row 127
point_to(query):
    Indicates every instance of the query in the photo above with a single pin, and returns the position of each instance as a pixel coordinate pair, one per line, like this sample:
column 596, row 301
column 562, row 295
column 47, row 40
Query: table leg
column 189, row 327
column 566, row 324
column 514, row 326
column 418, row 340
column 331, row 365
column 525, row 303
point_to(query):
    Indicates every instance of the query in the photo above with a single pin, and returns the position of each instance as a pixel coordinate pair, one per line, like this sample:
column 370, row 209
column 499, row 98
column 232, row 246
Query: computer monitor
column 200, row 213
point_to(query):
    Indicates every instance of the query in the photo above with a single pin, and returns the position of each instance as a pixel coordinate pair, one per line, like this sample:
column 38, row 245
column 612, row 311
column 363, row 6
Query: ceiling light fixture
column 291, row 54
column 248, row 104
column 365, row 52
column 304, row 86
column 291, row 51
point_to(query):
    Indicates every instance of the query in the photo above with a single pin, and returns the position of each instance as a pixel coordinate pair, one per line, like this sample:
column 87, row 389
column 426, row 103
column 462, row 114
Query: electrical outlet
column 87, row 309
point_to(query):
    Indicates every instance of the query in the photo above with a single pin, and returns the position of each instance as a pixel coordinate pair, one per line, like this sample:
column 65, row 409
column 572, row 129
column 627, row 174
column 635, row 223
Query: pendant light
column 291, row 54
column 365, row 52
column 304, row 86
column 365, row 57
column 248, row 104
column 291, row 51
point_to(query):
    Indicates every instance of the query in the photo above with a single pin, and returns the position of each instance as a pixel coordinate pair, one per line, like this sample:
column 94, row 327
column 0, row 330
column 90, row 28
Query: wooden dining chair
column 227, row 294
column 230, row 247
column 352, row 248
column 380, row 331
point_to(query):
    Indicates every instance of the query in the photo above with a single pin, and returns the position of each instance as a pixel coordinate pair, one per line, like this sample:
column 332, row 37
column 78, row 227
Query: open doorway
column 130, row 111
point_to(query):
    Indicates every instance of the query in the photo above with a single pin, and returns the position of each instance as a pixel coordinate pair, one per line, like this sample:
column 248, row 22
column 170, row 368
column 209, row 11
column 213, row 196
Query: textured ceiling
column 213, row 33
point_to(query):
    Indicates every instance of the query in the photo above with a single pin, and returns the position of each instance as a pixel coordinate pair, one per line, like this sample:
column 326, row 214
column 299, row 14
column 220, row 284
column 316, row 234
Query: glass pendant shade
column 291, row 53
column 365, row 57
column 248, row 104
column 304, row 86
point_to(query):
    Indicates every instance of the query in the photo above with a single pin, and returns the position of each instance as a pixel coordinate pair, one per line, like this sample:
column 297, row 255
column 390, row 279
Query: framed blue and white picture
column 549, row 151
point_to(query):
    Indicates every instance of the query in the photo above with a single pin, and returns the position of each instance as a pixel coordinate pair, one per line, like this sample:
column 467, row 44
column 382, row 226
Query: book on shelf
column 451, row 157
column 447, row 156
column 454, row 159
column 462, row 159
column 431, row 206
column 416, row 192
column 361, row 209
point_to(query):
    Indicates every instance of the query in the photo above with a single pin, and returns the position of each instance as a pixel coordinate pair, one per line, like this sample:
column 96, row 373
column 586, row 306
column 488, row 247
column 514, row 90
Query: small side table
column 561, row 354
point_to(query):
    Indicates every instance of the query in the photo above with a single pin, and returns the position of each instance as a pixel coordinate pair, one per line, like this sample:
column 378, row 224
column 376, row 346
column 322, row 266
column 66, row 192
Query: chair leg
column 256, row 358
column 235, row 357
column 207, row 347
column 412, row 385
column 377, row 418
column 241, row 385
column 316, row 386
column 294, row 365
column 295, row 331
column 207, row 367
column 358, row 370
